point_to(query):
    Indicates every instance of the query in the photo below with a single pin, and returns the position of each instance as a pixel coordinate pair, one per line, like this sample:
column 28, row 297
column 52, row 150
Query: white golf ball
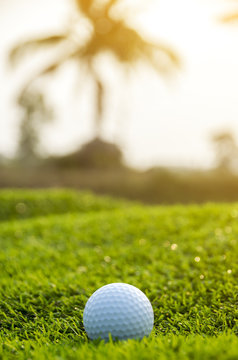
column 118, row 309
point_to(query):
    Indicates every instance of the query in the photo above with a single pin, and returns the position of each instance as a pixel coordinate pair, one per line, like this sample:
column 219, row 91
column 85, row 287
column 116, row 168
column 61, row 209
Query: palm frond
column 84, row 5
column 49, row 69
column 109, row 5
column 230, row 18
column 94, row 9
column 128, row 46
column 161, row 57
column 23, row 48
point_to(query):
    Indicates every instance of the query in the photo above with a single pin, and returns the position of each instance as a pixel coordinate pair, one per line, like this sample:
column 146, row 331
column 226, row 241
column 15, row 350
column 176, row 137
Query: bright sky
column 156, row 122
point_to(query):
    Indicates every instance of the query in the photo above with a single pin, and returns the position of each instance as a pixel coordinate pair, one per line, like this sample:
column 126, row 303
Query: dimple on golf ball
column 118, row 309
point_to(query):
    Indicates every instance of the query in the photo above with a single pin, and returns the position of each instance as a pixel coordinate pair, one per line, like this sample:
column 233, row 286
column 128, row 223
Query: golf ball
column 118, row 309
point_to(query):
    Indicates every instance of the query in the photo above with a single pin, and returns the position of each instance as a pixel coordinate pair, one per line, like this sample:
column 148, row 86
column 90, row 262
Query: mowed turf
column 58, row 247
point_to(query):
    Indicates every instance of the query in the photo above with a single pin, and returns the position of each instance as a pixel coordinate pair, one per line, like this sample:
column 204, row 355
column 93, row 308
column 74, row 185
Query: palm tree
column 226, row 151
column 108, row 34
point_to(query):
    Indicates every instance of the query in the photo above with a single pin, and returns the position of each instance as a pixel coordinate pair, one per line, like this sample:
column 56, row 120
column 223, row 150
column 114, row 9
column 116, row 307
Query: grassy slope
column 66, row 245
column 22, row 204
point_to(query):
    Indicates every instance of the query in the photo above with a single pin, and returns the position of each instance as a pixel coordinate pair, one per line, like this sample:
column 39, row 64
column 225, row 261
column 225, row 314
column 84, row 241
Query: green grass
column 22, row 204
column 57, row 247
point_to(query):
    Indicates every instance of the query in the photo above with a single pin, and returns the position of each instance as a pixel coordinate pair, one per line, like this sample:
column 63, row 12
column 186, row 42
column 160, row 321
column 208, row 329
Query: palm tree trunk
column 99, row 107
column 100, row 102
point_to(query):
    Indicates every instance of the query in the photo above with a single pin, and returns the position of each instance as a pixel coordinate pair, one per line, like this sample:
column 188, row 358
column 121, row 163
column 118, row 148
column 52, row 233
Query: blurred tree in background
column 96, row 154
column 225, row 145
column 226, row 151
column 109, row 32
column 35, row 112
